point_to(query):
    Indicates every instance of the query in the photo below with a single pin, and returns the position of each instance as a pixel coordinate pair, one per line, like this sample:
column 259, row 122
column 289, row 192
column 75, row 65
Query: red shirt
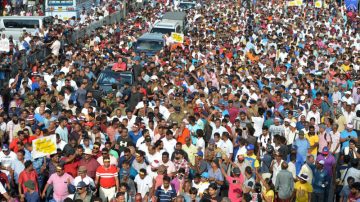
column 107, row 176
column 13, row 145
column 91, row 166
column 71, row 168
column 119, row 67
column 25, row 176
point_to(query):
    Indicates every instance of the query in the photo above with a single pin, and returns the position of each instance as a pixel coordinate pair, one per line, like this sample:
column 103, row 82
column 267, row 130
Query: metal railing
column 42, row 53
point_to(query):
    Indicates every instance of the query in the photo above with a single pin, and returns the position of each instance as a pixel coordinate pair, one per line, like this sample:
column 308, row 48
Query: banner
column 179, row 38
column 318, row 4
column 44, row 146
column 352, row 5
column 295, row 3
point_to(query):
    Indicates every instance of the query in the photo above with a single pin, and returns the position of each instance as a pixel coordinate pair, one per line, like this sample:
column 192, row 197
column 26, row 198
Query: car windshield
column 162, row 30
column 150, row 45
column 113, row 78
column 186, row 5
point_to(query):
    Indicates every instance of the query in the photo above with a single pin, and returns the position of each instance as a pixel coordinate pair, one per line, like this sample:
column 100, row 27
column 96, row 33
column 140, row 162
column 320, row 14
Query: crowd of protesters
column 261, row 102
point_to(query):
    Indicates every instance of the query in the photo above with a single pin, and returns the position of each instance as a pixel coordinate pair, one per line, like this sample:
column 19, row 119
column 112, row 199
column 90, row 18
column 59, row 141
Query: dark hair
column 27, row 163
column 213, row 186
column 166, row 178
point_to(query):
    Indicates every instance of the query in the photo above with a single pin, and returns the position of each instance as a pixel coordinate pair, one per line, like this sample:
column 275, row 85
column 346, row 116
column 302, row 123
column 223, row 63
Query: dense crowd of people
column 261, row 102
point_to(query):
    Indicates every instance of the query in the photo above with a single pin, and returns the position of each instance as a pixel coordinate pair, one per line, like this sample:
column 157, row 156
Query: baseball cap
column 200, row 153
column 5, row 147
column 205, row 175
column 325, row 150
column 349, row 125
column 88, row 151
column 236, row 171
column 80, row 185
column 250, row 147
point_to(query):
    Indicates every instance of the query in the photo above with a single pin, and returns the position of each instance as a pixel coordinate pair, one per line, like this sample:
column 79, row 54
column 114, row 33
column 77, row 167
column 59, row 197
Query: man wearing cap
column 204, row 183
column 320, row 182
column 251, row 157
column 89, row 162
column 107, row 179
column 83, row 177
column 303, row 189
column 82, row 192
column 60, row 181
column 235, row 192
column 329, row 166
column 346, row 136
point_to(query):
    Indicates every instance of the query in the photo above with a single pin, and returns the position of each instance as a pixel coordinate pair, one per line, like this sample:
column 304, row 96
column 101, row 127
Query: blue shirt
column 345, row 134
column 319, row 180
column 302, row 147
column 165, row 195
column 134, row 137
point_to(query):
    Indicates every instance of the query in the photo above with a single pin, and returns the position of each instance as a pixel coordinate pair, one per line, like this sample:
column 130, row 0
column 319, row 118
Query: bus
column 66, row 9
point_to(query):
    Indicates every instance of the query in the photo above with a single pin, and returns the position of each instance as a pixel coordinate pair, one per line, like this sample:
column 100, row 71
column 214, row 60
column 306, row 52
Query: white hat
column 348, row 92
column 349, row 125
column 302, row 98
column 287, row 120
column 154, row 77
column 88, row 151
column 304, row 177
column 293, row 124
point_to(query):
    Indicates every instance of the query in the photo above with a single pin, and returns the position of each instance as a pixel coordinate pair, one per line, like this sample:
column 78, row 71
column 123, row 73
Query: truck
column 171, row 22
column 150, row 43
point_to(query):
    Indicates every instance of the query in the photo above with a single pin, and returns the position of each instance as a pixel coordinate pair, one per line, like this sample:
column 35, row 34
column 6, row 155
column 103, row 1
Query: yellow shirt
column 271, row 194
column 302, row 191
column 251, row 160
column 312, row 141
column 345, row 68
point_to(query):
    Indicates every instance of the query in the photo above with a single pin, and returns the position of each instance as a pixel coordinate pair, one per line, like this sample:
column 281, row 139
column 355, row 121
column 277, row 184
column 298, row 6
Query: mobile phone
column 234, row 181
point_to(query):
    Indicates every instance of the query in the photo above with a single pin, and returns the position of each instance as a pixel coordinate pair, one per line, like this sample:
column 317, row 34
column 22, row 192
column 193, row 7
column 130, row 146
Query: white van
column 15, row 25
column 166, row 27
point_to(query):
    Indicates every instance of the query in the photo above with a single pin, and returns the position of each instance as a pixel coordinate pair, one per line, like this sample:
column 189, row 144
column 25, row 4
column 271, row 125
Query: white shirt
column 227, row 147
column 349, row 116
column 55, row 47
column 61, row 145
column 219, row 130
column 201, row 144
column 88, row 181
column 292, row 169
column 143, row 185
column 169, row 145
column 316, row 115
column 6, row 160
column 258, row 122
column 276, row 169
column 242, row 151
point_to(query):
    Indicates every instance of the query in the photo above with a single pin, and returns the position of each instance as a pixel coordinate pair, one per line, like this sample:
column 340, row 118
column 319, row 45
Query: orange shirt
column 185, row 133
column 107, row 176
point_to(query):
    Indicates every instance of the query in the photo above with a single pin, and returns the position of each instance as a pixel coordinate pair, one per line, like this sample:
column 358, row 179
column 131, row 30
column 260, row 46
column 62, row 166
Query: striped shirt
column 165, row 195
column 107, row 176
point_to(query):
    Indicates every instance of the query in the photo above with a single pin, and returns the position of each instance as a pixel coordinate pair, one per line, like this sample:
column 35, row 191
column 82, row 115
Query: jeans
column 318, row 197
